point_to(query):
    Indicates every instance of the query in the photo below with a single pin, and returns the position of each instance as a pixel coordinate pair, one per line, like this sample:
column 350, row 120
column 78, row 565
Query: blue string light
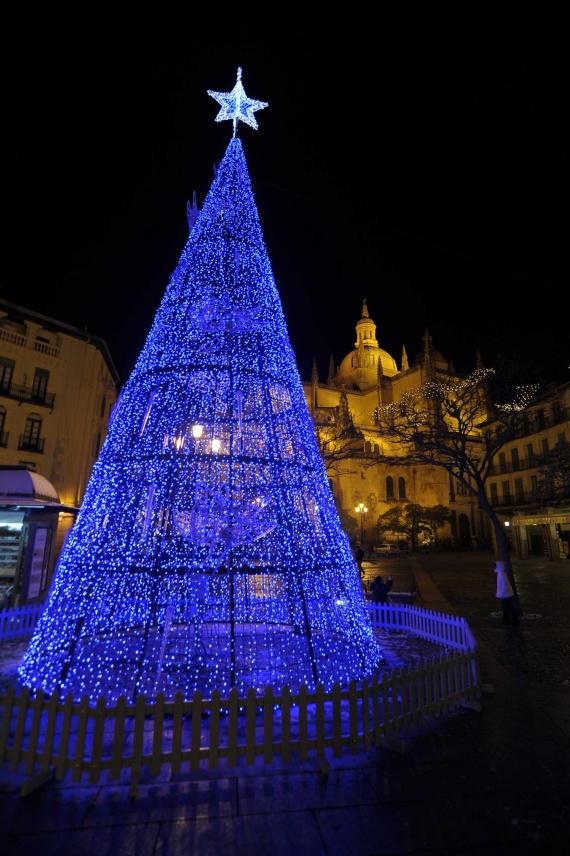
column 208, row 553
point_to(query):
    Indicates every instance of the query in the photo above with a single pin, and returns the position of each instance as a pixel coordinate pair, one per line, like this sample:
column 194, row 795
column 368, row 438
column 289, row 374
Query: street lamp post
column 361, row 509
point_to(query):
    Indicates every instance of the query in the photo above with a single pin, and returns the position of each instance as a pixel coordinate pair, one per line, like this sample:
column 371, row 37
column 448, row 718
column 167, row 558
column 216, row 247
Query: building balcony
column 507, row 468
column 21, row 339
column 534, row 423
column 27, row 393
column 28, row 445
column 544, row 496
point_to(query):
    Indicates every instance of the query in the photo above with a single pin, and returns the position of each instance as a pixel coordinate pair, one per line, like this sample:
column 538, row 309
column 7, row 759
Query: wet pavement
column 490, row 782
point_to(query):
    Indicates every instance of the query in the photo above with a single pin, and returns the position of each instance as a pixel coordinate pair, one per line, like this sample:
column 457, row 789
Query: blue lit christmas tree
column 208, row 553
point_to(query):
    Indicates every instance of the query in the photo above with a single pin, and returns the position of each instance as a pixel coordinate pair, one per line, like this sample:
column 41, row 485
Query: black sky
column 421, row 165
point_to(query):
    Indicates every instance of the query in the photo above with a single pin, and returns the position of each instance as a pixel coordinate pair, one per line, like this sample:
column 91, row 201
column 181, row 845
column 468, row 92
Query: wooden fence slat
column 320, row 744
column 51, row 719
column 337, row 720
column 8, row 704
column 138, row 744
column 388, row 729
column 376, row 717
column 303, row 724
column 214, row 754
column 286, row 723
column 250, row 705
column 61, row 759
column 20, row 729
column 118, row 738
column 97, row 741
column 34, row 734
column 268, row 725
column 82, row 723
column 353, row 717
column 177, row 723
column 157, row 731
column 196, row 731
column 233, row 714
column 366, row 730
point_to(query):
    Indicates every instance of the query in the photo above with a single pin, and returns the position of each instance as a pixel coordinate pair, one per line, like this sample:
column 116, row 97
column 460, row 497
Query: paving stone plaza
column 483, row 784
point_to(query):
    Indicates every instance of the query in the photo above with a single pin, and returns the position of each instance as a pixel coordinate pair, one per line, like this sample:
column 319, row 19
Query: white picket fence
column 19, row 622
column 50, row 737
column 450, row 631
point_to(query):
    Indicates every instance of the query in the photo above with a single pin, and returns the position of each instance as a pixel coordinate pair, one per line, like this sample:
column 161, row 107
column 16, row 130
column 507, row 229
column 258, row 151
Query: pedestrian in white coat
column 506, row 595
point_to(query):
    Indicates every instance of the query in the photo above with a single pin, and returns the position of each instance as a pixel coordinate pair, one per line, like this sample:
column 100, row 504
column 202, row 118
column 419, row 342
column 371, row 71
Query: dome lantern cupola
column 366, row 330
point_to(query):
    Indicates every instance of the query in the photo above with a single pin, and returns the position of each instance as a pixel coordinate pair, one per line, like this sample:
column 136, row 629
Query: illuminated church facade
column 345, row 408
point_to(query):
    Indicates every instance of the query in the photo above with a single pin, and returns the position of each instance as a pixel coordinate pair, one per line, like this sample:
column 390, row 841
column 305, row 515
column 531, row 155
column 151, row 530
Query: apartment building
column 58, row 386
column 529, row 486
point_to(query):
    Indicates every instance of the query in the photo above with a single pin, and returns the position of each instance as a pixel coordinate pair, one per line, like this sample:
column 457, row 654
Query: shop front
column 542, row 535
column 30, row 511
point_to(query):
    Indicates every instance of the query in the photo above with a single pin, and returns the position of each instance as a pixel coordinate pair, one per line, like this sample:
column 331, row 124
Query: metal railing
column 26, row 393
column 31, row 445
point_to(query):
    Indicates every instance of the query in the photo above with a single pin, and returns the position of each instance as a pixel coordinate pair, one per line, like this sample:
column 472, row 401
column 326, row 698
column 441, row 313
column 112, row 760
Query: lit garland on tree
column 208, row 553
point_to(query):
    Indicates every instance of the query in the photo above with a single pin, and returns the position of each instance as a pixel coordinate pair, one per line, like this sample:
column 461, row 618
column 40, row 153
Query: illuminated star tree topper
column 236, row 105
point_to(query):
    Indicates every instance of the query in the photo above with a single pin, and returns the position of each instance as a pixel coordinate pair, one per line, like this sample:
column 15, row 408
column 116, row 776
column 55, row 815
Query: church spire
column 314, row 386
column 332, row 371
column 428, row 360
column 314, row 373
column 405, row 362
column 381, row 383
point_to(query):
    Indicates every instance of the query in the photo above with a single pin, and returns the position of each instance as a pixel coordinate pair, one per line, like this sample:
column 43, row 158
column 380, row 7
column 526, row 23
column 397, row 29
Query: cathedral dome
column 359, row 369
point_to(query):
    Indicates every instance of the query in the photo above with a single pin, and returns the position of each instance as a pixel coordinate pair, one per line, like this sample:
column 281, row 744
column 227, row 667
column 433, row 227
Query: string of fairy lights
column 208, row 553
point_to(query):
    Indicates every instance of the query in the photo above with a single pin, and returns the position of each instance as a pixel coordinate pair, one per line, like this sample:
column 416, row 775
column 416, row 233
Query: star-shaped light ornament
column 236, row 105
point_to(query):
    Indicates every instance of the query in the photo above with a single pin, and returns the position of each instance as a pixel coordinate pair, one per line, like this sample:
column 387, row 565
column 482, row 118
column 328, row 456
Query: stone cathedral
column 346, row 405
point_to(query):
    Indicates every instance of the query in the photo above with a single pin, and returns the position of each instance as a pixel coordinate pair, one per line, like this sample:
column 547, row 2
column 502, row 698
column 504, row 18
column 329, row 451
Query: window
column 541, row 421
column 561, row 439
column 96, row 444
column 530, row 455
column 506, row 491
column 6, row 370
column 519, row 492
column 502, row 462
column 534, row 487
column 103, row 406
column 32, row 430
column 389, row 487
column 39, row 387
column 494, row 496
column 545, row 446
column 3, row 437
column 402, row 487
column 460, row 488
column 515, row 460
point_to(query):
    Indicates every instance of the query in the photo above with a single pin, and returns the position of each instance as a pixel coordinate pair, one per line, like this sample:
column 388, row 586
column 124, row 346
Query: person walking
column 380, row 589
column 359, row 560
column 506, row 595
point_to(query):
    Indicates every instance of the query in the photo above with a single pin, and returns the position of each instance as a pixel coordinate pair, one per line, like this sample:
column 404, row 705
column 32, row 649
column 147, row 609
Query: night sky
column 420, row 165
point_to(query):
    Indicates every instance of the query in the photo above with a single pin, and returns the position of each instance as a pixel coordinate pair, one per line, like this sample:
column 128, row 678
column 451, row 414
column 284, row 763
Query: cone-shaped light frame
column 212, row 561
